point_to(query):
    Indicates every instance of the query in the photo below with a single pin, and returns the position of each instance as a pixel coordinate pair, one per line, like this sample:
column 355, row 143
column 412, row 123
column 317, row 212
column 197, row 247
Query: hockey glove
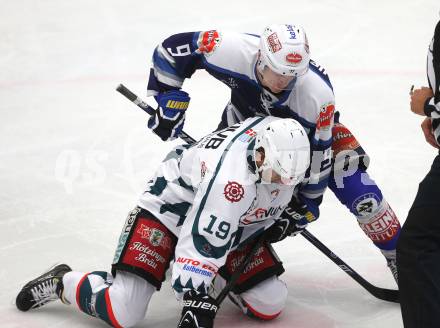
column 298, row 211
column 199, row 310
column 282, row 228
column 292, row 221
column 169, row 118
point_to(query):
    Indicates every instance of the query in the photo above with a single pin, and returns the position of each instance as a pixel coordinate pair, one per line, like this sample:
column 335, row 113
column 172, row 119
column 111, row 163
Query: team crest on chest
column 234, row 192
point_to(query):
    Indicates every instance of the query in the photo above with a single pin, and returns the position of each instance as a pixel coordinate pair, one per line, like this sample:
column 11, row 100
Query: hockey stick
column 381, row 293
column 390, row 295
column 148, row 109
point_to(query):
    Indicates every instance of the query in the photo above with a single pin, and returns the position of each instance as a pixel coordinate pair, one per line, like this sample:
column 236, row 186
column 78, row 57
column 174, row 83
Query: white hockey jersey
column 210, row 196
column 231, row 58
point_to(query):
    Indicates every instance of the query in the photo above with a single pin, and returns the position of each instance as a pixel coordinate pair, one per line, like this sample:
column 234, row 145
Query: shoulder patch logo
column 234, row 192
column 208, row 42
column 325, row 116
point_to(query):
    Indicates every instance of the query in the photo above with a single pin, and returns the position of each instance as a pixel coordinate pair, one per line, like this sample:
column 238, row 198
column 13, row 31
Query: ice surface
column 74, row 154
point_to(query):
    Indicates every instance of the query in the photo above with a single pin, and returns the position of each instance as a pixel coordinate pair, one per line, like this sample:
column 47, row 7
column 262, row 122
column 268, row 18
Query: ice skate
column 44, row 289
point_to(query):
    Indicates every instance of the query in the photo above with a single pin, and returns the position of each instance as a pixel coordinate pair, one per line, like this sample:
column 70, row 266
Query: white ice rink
column 74, row 154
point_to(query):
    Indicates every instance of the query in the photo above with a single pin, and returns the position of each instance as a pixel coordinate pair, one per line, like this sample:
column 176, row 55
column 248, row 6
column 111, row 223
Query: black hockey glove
column 169, row 118
column 292, row 221
column 199, row 310
column 280, row 230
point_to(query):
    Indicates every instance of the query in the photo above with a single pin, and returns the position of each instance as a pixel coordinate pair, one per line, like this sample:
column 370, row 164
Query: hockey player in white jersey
column 205, row 202
column 273, row 74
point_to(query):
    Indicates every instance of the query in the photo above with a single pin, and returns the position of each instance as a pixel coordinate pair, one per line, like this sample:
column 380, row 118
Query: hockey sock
column 91, row 293
column 361, row 195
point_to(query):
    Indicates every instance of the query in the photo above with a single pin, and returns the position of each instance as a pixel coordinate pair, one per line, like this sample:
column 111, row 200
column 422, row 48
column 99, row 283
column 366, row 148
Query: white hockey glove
column 169, row 118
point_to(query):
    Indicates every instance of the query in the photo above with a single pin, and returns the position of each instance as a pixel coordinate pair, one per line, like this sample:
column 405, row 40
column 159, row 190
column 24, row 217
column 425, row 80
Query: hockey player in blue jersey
column 273, row 74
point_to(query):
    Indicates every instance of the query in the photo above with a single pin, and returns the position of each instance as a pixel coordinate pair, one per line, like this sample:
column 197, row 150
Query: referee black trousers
column 418, row 256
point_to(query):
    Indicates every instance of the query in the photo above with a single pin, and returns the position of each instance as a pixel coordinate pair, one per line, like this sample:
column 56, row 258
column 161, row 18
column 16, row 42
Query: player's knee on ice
column 119, row 302
column 267, row 299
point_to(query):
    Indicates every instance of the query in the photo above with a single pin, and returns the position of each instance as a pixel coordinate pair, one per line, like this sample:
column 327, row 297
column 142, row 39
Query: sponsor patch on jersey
column 383, row 227
column 196, row 266
column 155, row 236
column 325, row 117
column 366, row 204
column 234, row 192
column 208, row 42
column 260, row 214
column 343, row 139
column 274, row 43
column 294, row 58
column 254, row 217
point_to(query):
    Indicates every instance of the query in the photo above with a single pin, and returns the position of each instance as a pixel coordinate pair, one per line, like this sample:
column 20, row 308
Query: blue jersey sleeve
column 311, row 192
column 178, row 57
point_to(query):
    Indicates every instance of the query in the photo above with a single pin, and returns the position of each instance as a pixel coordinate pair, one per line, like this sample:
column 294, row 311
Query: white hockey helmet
column 286, row 151
column 284, row 49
